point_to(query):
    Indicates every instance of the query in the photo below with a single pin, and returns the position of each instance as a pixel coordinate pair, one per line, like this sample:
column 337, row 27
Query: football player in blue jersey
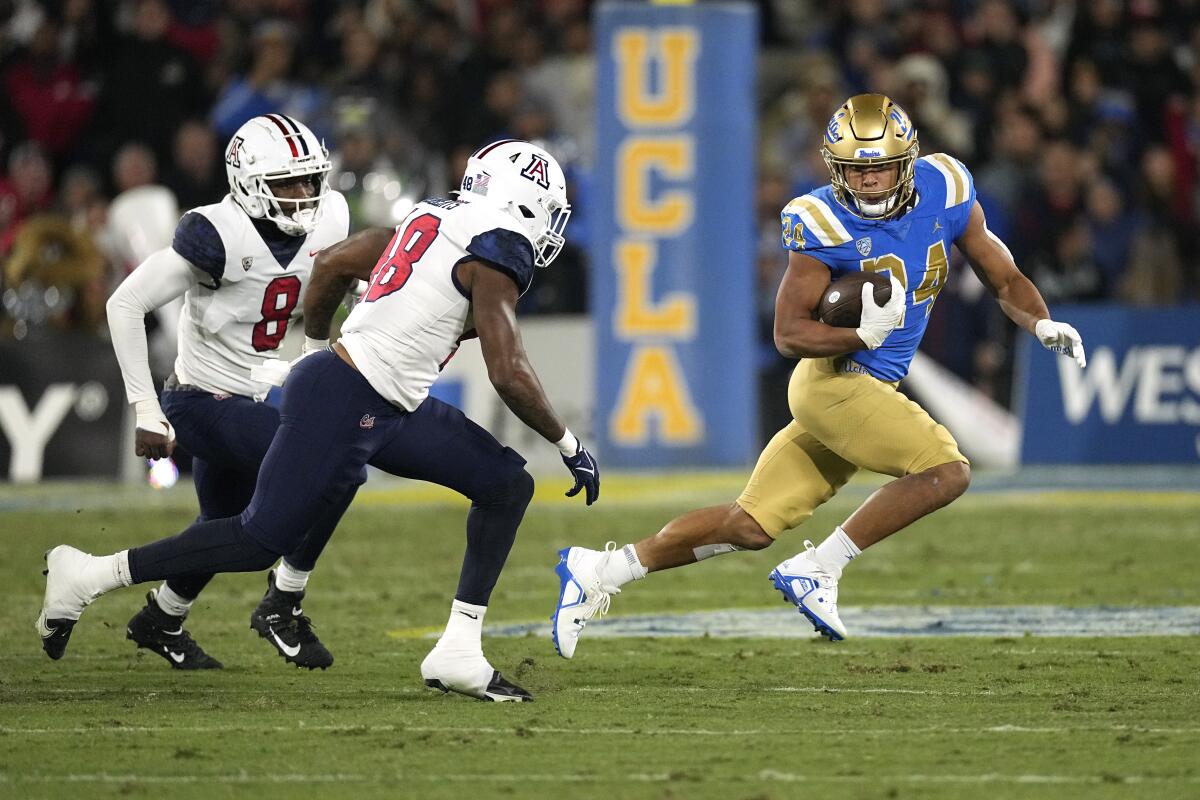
column 885, row 210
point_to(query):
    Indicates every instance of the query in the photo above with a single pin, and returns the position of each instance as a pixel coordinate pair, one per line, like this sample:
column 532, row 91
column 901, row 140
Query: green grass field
column 1022, row 717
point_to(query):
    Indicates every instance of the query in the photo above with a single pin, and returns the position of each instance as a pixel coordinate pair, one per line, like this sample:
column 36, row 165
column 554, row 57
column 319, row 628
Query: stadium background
column 1079, row 121
column 1036, row 639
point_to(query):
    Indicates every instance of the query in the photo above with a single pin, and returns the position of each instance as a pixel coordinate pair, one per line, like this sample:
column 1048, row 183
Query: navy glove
column 587, row 474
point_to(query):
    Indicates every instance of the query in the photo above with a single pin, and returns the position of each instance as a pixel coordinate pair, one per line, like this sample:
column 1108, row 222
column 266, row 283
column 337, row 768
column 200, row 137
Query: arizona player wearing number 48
column 242, row 266
column 453, row 269
column 885, row 210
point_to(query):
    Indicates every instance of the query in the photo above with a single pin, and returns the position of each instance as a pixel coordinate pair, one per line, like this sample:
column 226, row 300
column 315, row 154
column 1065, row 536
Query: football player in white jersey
column 242, row 267
column 453, row 269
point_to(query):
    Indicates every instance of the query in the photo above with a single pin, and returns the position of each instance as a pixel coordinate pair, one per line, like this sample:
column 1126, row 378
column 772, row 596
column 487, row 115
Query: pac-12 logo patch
column 231, row 157
column 538, row 171
column 247, row 263
column 367, row 422
column 864, row 246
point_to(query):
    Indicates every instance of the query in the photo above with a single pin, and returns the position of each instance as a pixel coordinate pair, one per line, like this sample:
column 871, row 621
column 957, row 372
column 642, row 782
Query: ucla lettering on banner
column 673, row 254
column 1138, row 400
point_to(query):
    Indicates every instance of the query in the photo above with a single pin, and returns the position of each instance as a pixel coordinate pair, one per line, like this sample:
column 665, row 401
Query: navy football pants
column 228, row 437
column 332, row 423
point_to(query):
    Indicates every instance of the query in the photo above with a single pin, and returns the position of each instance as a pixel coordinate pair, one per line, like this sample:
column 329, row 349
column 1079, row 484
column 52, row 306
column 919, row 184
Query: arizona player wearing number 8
column 884, row 210
column 241, row 266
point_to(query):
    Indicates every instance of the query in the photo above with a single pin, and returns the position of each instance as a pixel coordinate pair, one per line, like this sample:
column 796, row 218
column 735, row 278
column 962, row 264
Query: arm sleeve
column 507, row 251
column 197, row 240
column 160, row 279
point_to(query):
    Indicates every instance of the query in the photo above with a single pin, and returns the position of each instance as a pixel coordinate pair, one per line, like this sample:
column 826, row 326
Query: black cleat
column 499, row 690
column 55, row 634
column 163, row 634
column 280, row 620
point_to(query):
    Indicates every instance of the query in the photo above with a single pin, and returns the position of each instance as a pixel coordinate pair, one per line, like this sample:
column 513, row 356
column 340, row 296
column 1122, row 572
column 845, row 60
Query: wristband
column 312, row 345
column 151, row 419
column 568, row 445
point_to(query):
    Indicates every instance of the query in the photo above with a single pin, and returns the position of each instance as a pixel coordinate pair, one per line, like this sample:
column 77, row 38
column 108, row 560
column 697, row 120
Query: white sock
column 622, row 567
column 837, row 551
column 290, row 579
column 105, row 573
column 172, row 602
column 465, row 626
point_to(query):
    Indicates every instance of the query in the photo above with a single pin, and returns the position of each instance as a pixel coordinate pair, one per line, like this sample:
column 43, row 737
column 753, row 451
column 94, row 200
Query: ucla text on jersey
column 913, row 247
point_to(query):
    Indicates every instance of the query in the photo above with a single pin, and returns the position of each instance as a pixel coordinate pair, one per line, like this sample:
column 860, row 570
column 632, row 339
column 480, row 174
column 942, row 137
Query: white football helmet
column 273, row 148
column 526, row 182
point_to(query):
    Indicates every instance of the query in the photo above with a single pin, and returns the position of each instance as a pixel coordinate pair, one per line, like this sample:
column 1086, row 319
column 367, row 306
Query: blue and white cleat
column 811, row 588
column 581, row 595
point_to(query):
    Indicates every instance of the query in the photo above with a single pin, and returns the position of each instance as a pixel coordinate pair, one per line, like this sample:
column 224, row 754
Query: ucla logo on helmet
column 867, row 152
column 832, row 134
column 538, row 171
column 232, row 158
column 903, row 126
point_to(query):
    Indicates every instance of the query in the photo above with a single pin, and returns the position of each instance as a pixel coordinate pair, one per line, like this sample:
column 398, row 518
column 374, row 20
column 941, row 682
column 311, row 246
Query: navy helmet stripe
column 299, row 133
column 489, row 148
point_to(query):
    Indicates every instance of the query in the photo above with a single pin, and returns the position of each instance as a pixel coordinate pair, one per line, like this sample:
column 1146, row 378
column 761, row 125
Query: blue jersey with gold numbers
column 913, row 247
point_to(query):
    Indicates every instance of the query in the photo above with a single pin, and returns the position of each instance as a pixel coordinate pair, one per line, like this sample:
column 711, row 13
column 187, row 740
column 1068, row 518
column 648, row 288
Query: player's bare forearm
column 1021, row 301
column 494, row 308
column 335, row 269
column 808, row 338
column 797, row 334
column 524, row 396
column 993, row 263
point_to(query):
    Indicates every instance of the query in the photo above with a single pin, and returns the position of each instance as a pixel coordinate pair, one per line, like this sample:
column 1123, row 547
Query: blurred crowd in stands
column 1079, row 120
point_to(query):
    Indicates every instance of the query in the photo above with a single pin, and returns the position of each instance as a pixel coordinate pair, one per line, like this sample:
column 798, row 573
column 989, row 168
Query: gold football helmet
column 871, row 130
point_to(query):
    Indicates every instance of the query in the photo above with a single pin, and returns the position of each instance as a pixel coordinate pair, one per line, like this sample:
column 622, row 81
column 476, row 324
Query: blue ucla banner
column 1138, row 400
column 673, row 251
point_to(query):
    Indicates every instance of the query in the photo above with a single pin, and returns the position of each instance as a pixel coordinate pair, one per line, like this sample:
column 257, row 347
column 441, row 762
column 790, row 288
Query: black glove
column 587, row 474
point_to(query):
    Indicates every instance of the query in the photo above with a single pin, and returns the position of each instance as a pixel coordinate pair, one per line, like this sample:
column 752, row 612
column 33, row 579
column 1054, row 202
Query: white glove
column 1059, row 337
column 150, row 418
column 877, row 321
column 275, row 371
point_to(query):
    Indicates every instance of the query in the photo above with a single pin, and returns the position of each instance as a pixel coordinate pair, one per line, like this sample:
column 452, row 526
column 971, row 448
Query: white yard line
column 764, row 776
column 521, row 730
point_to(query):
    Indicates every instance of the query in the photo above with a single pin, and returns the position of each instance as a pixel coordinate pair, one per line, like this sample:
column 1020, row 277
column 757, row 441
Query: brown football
column 841, row 305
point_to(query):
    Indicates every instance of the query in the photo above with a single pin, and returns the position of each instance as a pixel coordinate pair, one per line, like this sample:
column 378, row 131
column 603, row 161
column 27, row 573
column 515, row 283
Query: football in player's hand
column 841, row 305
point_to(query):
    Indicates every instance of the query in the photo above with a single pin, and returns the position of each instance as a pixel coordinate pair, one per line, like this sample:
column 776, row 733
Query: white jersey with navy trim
column 256, row 278
column 414, row 314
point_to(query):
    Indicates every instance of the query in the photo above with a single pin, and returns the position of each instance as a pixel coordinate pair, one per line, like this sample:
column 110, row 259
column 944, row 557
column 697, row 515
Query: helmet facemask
column 878, row 203
column 293, row 216
column 546, row 225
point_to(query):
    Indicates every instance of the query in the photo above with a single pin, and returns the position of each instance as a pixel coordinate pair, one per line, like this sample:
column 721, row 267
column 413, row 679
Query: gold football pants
column 843, row 420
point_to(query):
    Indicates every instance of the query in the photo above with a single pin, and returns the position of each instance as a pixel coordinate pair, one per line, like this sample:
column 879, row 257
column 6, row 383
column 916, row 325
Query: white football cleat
column 581, row 595
column 811, row 588
column 466, row 671
column 65, row 598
